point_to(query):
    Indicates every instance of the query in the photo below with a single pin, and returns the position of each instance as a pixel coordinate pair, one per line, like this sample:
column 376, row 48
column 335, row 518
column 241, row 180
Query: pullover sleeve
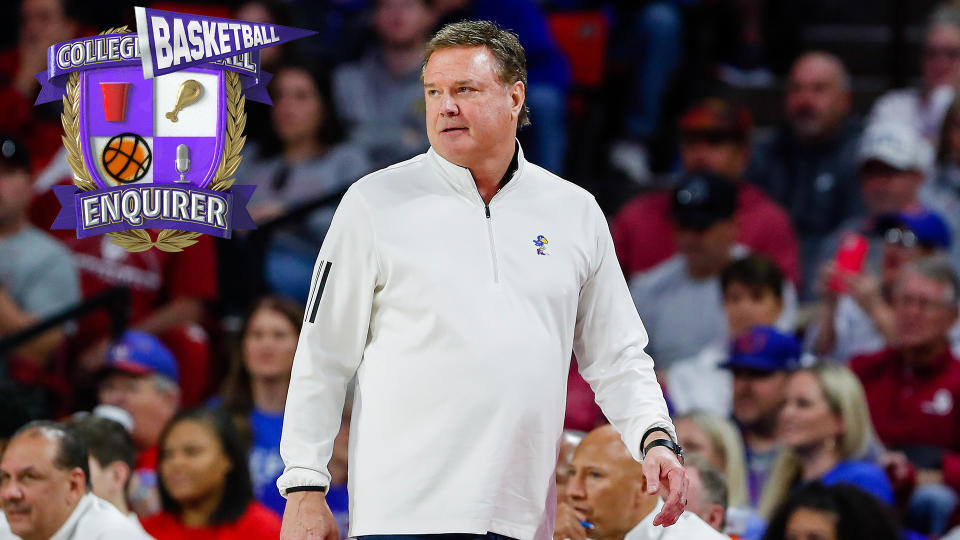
column 608, row 342
column 335, row 331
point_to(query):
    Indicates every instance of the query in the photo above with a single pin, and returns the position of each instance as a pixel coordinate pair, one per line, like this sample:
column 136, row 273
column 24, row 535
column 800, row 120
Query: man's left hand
column 662, row 470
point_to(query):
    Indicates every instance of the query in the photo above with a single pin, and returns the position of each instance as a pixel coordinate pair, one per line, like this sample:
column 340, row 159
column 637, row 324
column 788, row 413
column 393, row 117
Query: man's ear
column 518, row 95
column 78, row 484
column 119, row 474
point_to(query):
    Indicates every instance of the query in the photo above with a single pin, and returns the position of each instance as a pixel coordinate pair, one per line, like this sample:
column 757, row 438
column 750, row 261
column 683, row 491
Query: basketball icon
column 126, row 158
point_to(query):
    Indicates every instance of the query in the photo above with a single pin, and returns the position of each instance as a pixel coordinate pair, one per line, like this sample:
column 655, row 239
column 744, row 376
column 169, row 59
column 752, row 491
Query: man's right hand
column 567, row 525
column 307, row 517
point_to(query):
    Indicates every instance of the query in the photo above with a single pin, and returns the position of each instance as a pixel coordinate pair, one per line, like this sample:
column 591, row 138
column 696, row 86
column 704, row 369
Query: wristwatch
column 674, row 447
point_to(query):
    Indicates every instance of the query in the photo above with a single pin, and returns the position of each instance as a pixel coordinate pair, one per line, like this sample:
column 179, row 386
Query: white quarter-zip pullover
column 458, row 319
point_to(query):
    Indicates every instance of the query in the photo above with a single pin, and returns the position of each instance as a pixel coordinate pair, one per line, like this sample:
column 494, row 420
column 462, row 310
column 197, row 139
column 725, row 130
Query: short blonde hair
column 504, row 45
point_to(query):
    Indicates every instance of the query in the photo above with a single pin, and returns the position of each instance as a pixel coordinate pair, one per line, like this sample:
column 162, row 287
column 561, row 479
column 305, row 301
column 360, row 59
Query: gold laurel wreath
column 169, row 240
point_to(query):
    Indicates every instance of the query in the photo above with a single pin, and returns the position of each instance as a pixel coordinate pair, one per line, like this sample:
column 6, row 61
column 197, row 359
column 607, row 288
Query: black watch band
column 321, row 489
column 674, row 447
column 654, row 429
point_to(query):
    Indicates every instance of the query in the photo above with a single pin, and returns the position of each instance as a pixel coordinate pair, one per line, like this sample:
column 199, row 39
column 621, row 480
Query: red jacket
column 643, row 231
column 256, row 523
column 911, row 407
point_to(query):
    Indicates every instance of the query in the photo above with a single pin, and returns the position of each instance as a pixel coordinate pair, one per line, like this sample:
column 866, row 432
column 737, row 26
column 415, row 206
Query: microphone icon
column 183, row 163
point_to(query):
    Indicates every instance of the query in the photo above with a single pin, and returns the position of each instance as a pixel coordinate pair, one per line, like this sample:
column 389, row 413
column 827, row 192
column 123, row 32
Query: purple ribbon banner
column 172, row 41
column 166, row 42
column 154, row 206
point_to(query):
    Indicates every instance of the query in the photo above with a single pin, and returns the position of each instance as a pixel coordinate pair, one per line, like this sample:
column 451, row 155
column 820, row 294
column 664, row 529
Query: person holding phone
column 858, row 316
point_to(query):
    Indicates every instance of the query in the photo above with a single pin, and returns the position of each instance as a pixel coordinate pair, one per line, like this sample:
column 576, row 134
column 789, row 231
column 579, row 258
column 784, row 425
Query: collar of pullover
column 462, row 179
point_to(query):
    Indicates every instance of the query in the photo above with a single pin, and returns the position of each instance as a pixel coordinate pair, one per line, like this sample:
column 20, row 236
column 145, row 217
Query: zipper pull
column 487, row 209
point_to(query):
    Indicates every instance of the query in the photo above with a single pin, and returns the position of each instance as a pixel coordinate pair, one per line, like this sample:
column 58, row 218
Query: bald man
column 810, row 161
column 608, row 495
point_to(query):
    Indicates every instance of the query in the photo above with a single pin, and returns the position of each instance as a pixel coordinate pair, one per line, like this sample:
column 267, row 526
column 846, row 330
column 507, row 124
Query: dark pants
column 458, row 536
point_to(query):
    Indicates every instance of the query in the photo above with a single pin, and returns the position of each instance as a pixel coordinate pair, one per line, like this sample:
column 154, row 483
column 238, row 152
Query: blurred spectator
column 947, row 172
column 808, row 165
column 761, row 361
column 380, row 98
column 680, row 299
column 912, row 387
column 42, row 23
column 111, row 457
column 37, row 276
column 653, row 46
column 306, row 161
column 255, row 390
column 840, row 512
column 714, row 138
column 608, row 490
column 752, row 291
column 892, row 165
column 205, row 484
column 13, row 415
column 826, row 435
column 45, row 489
column 271, row 58
column 707, row 492
column 717, row 440
column 861, row 321
column 548, row 75
column 169, row 297
column 141, row 377
column 568, row 444
column 922, row 108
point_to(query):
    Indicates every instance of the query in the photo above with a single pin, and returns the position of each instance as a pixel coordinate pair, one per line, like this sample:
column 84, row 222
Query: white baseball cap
column 897, row 145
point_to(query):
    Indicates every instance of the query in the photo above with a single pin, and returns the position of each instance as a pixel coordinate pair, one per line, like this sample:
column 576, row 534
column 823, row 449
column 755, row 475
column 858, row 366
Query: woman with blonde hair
column 826, row 434
column 716, row 439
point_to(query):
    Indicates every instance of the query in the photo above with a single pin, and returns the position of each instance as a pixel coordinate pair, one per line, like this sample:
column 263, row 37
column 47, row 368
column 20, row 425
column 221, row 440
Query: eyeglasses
column 948, row 53
column 903, row 237
column 920, row 302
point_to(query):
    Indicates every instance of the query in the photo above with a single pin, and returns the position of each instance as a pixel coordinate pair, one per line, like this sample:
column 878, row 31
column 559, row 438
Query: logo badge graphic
column 153, row 134
column 541, row 243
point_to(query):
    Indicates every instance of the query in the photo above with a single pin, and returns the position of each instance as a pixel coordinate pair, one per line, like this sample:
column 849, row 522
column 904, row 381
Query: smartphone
column 849, row 259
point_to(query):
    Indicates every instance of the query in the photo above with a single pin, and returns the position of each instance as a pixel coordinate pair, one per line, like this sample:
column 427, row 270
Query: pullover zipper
column 493, row 246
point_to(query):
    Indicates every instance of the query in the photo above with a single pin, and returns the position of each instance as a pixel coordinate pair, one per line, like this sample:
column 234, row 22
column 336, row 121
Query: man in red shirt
column 715, row 137
column 913, row 387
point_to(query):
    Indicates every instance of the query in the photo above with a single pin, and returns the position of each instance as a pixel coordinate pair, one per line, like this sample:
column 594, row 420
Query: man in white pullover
column 454, row 286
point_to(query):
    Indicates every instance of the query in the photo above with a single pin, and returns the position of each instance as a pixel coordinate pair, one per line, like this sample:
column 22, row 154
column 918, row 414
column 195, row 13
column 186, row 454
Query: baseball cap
column 13, row 154
column 717, row 117
column 702, row 199
column 140, row 353
column 928, row 227
column 897, row 145
column 764, row 348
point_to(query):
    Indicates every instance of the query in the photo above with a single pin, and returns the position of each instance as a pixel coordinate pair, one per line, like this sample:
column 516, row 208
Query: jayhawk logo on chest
column 541, row 243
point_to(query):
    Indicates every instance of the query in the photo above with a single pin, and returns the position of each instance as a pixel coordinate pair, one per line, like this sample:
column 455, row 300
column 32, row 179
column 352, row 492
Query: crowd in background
column 796, row 275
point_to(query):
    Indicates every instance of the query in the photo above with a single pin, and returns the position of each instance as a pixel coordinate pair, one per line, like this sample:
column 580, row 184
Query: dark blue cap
column 702, row 199
column 764, row 348
column 929, row 228
column 140, row 353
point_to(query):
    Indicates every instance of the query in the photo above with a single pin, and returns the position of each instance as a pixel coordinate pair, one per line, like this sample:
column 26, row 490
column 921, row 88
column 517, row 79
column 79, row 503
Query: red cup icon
column 114, row 100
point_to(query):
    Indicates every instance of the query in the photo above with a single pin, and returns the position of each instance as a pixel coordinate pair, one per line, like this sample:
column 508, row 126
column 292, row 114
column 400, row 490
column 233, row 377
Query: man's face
column 470, row 113
column 15, row 193
column 402, row 23
column 941, row 56
column 758, row 396
column 607, row 485
column 36, row 496
column 886, row 189
column 817, row 99
column 923, row 310
column 716, row 154
column 698, row 501
column 149, row 406
column 707, row 250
